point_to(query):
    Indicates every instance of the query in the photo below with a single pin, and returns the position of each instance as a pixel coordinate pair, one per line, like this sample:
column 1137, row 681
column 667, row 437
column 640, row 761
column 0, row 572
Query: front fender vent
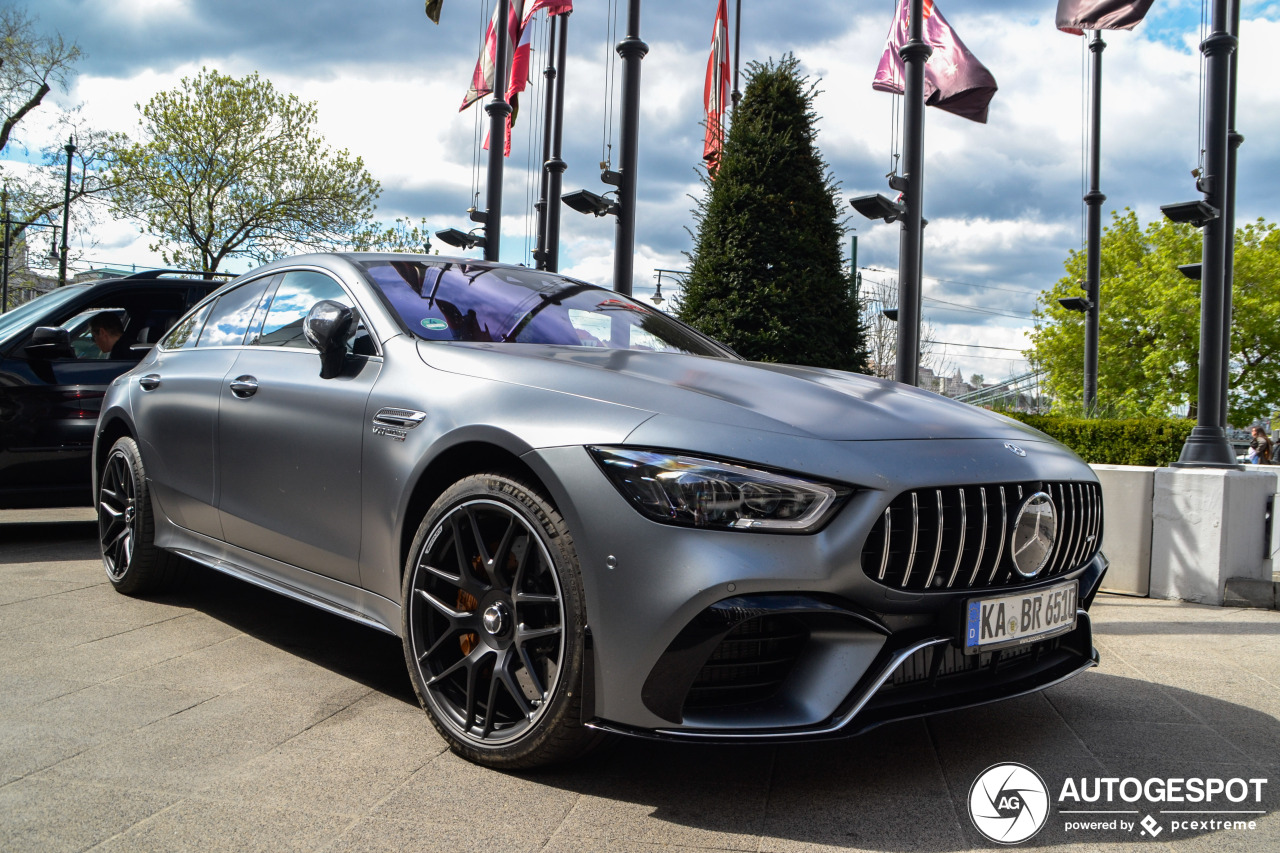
column 958, row 537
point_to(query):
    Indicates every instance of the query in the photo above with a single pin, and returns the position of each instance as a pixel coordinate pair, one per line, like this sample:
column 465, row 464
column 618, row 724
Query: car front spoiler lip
column 846, row 723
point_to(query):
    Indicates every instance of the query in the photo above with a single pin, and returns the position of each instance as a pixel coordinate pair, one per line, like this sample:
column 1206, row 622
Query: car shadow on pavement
column 344, row 647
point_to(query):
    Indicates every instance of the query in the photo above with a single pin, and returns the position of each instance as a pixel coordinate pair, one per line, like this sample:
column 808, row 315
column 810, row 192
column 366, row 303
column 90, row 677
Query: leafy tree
column 229, row 167
column 404, row 235
column 1149, row 336
column 766, row 275
column 33, row 64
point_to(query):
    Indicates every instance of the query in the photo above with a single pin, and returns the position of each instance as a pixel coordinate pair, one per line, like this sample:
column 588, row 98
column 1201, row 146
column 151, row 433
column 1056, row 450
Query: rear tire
column 126, row 526
column 493, row 625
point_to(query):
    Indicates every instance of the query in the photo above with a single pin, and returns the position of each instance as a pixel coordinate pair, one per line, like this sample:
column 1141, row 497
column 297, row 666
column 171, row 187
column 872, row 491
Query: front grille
column 749, row 663
column 944, row 661
column 957, row 537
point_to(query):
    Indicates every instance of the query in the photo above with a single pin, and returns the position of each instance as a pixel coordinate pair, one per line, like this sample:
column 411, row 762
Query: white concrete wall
column 1127, row 492
column 1208, row 526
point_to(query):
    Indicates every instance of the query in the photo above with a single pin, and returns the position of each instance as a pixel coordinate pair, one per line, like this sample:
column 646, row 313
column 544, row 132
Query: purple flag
column 1076, row 16
column 954, row 80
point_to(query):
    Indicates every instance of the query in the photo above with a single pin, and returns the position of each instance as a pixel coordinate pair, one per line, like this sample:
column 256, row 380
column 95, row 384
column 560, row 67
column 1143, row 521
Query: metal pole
column 737, row 43
column 555, row 165
column 4, row 275
column 498, row 109
column 632, row 50
column 549, row 75
column 1207, row 446
column 911, row 247
column 1234, row 140
column 66, row 213
column 1093, row 200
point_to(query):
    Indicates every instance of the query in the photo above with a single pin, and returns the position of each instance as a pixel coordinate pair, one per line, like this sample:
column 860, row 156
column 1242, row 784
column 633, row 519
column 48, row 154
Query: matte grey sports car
column 581, row 516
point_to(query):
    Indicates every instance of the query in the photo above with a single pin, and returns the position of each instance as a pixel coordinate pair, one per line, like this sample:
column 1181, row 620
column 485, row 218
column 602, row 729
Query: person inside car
column 108, row 334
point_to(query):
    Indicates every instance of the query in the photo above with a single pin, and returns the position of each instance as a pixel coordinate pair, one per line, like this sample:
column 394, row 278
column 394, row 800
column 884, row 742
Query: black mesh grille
column 957, row 537
column 945, row 661
column 749, row 664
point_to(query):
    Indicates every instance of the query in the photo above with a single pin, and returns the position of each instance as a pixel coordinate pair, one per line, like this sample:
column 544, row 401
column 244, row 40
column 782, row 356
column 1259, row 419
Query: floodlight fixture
column 460, row 239
column 890, row 314
column 1076, row 303
column 1196, row 213
column 1191, row 271
column 585, row 201
column 876, row 206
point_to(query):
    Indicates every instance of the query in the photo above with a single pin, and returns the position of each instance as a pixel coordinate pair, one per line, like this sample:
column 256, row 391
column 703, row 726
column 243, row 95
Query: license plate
column 1011, row 620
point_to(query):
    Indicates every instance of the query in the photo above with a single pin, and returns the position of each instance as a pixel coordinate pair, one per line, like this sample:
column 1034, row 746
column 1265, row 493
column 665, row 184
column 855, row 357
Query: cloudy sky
column 1003, row 199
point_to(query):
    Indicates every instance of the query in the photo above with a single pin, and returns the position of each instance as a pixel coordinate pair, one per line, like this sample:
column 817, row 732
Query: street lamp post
column 66, row 213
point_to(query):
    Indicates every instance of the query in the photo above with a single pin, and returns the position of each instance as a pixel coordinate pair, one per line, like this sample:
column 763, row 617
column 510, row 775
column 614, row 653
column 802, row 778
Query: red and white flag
column 715, row 91
column 518, row 48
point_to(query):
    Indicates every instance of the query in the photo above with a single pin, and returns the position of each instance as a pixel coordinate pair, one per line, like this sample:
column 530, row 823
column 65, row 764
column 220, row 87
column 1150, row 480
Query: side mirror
column 326, row 328
column 50, row 342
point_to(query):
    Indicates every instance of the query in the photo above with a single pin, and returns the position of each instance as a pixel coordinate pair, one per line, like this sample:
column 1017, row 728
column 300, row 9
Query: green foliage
column 1149, row 328
column 403, row 236
column 228, row 167
column 766, row 274
column 1124, row 441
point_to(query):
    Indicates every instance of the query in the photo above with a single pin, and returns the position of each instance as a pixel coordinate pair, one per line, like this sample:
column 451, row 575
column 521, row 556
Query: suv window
column 297, row 293
column 231, row 314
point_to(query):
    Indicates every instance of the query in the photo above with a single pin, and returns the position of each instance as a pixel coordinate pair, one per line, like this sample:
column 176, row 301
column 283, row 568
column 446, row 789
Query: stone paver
column 222, row 717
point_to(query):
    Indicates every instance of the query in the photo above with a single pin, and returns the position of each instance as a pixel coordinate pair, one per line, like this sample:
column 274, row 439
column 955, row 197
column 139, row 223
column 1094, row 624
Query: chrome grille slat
column 985, row 564
column 964, row 524
column 982, row 541
column 937, row 545
column 1004, row 528
column 888, row 531
column 915, row 533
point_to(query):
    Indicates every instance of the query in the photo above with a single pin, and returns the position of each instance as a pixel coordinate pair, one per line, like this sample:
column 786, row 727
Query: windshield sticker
column 434, row 324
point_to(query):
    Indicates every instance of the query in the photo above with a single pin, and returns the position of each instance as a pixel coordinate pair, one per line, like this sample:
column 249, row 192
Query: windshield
column 485, row 304
column 30, row 314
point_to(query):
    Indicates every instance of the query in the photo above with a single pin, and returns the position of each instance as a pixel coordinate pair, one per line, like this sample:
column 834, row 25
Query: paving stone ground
column 223, row 717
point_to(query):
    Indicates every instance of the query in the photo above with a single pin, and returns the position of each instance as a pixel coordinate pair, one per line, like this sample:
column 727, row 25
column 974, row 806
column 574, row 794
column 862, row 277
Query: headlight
column 686, row 490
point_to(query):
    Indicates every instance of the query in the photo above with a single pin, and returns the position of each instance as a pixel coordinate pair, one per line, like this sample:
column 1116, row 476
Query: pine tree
column 766, row 274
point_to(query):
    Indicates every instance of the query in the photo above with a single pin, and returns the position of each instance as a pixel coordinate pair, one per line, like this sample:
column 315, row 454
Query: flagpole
column 737, row 44
column 911, row 246
column 632, row 50
column 1234, row 141
column 498, row 110
column 1093, row 201
column 1207, row 446
column 556, row 165
column 549, row 75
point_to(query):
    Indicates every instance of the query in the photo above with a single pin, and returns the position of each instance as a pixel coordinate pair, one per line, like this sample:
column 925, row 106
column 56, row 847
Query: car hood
column 779, row 398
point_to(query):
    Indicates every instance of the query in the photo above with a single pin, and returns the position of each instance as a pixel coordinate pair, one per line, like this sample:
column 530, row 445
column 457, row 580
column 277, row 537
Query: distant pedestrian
column 1260, row 447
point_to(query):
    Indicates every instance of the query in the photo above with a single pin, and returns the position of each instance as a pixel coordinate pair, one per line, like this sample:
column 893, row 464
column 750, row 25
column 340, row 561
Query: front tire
column 126, row 526
column 493, row 624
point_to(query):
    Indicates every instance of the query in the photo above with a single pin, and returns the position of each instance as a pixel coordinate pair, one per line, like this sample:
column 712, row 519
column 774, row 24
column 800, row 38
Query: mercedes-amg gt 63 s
column 581, row 516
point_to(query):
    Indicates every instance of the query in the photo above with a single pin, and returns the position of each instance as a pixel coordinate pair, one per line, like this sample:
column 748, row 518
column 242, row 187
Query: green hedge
column 1114, row 441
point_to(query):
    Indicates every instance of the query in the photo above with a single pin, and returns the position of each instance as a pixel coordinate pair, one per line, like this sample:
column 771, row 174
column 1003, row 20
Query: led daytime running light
column 694, row 492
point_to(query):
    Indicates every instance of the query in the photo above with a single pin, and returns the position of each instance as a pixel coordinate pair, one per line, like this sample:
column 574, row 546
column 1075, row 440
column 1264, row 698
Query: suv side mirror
column 50, row 342
column 326, row 328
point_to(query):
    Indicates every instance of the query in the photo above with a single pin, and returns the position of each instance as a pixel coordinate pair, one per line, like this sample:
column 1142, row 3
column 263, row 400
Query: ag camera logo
column 1008, row 803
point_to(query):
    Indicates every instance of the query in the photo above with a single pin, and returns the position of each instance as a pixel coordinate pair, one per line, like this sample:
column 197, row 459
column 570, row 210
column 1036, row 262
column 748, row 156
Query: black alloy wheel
column 126, row 528
column 493, row 625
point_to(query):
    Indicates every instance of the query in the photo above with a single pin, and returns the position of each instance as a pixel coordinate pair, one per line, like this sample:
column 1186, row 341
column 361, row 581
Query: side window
column 186, row 333
column 231, row 314
column 298, row 291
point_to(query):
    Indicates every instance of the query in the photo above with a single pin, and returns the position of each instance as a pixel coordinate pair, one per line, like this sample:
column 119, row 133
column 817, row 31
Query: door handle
column 244, row 386
column 150, row 382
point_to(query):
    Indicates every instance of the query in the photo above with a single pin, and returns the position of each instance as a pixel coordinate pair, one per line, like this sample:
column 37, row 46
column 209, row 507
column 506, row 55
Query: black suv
column 53, row 377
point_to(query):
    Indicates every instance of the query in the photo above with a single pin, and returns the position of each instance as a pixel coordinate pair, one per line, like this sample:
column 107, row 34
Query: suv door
column 289, row 442
column 49, row 403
